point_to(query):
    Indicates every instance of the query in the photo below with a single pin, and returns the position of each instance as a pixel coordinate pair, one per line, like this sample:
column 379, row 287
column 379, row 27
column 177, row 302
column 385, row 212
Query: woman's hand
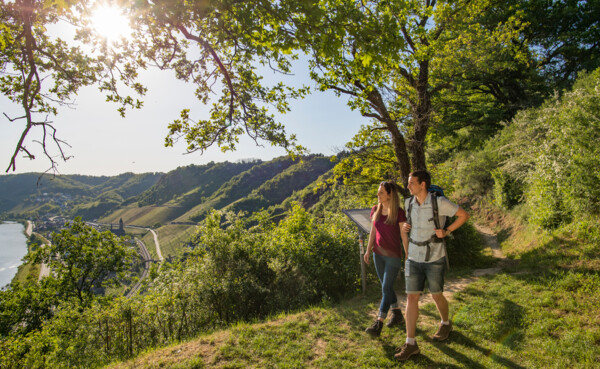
column 366, row 257
column 405, row 227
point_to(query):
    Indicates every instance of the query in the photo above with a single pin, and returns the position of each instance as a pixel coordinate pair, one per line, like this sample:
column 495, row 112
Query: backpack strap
column 437, row 223
column 436, row 212
column 409, row 210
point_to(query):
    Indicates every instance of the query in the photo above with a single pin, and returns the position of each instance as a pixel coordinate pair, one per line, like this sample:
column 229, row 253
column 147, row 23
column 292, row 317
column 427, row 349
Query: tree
column 24, row 307
column 393, row 58
column 83, row 259
column 28, row 59
column 217, row 45
column 557, row 40
column 406, row 64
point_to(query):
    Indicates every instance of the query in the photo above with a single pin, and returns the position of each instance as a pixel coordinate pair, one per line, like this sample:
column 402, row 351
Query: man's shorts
column 417, row 273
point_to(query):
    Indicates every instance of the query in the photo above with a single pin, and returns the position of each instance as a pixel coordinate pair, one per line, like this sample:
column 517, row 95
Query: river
column 13, row 246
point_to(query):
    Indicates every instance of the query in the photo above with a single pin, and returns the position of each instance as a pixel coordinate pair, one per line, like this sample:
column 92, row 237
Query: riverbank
column 14, row 247
column 30, row 271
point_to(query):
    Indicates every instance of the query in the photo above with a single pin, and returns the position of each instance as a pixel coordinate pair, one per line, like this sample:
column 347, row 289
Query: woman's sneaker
column 375, row 329
column 407, row 351
column 397, row 318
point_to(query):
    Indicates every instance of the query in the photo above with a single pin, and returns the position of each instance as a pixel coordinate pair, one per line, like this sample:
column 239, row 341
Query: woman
column 385, row 242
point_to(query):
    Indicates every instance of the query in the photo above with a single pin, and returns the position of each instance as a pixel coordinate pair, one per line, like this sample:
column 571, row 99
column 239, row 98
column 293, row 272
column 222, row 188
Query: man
column 426, row 256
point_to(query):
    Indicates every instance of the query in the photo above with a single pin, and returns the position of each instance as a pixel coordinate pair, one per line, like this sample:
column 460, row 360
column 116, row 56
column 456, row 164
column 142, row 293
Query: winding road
column 44, row 269
column 147, row 258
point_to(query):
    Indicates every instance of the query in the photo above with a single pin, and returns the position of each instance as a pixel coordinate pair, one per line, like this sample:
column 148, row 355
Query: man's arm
column 461, row 217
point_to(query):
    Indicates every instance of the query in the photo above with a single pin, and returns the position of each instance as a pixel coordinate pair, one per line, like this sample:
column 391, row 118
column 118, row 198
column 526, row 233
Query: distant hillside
column 203, row 180
column 172, row 203
column 283, row 185
column 71, row 195
column 264, row 185
column 238, row 187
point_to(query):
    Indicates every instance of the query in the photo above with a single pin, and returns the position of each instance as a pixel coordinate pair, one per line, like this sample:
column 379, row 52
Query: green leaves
column 83, row 259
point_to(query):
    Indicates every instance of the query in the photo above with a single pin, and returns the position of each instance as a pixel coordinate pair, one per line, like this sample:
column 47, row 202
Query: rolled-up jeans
column 387, row 269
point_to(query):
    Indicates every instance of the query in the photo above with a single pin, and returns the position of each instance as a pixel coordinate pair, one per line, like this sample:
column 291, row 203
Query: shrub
column 464, row 247
column 507, row 190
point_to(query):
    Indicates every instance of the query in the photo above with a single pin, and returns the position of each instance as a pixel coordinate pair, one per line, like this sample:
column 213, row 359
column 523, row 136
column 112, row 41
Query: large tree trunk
column 398, row 140
column 421, row 113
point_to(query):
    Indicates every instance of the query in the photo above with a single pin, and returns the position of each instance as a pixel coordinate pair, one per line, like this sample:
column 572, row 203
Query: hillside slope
column 70, row 195
column 539, row 311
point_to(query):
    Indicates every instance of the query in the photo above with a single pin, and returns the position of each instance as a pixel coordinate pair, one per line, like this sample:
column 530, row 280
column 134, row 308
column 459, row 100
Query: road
column 158, row 252
column 145, row 255
column 44, row 269
column 147, row 260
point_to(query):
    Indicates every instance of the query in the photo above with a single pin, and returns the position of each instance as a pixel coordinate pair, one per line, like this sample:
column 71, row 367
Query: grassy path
column 539, row 312
column 316, row 338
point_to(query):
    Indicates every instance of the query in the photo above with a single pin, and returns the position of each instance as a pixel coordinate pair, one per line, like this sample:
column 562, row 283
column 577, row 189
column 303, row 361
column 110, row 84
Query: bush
column 464, row 247
column 553, row 149
column 507, row 191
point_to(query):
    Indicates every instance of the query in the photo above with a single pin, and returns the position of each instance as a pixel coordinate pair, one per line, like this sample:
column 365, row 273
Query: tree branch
column 217, row 60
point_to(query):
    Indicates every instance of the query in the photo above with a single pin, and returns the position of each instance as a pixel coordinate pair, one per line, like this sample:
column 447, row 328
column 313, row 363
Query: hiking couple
column 421, row 237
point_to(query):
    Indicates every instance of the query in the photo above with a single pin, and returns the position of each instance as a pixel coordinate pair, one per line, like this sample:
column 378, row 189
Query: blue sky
column 103, row 143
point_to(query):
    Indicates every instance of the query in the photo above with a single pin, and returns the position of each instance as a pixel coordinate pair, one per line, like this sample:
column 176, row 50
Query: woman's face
column 382, row 194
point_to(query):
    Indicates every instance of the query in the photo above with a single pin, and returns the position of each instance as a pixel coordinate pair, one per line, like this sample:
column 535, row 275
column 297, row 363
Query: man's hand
column 441, row 233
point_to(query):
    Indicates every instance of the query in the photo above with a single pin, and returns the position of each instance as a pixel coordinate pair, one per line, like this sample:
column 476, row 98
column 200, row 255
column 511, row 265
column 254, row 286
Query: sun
column 110, row 22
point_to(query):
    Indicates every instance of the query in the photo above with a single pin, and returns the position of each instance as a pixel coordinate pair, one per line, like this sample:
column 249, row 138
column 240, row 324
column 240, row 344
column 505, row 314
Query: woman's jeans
column 387, row 270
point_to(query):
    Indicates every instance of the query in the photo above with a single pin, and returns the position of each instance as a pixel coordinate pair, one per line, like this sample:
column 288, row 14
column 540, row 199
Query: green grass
column 171, row 237
column 543, row 312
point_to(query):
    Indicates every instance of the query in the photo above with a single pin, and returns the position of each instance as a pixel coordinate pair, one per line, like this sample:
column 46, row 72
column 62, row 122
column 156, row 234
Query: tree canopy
column 410, row 66
column 83, row 259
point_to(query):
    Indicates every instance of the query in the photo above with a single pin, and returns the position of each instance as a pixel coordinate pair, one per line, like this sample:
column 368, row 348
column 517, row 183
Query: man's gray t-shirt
column 423, row 227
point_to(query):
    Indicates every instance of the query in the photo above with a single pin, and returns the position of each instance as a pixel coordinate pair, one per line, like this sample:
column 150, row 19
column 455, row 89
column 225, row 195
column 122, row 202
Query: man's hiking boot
column 442, row 332
column 397, row 318
column 406, row 351
column 375, row 329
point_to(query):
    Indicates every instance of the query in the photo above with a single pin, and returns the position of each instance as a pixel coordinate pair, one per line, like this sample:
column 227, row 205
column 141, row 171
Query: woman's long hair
column 392, row 211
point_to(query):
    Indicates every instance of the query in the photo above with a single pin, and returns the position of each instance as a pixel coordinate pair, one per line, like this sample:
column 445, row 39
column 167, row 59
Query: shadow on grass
column 507, row 332
column 460, row 339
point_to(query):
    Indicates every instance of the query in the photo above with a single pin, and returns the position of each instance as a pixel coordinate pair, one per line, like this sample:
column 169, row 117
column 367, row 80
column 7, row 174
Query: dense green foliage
column 545, row 158
column 541, row 312
column 83, row 259
column 232, row 274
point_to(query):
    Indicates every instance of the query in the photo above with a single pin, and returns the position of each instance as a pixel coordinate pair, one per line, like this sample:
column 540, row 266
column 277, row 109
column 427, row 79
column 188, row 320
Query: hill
column 264, row 185
column 172, row 203
column 539, row 311
column 34, row 194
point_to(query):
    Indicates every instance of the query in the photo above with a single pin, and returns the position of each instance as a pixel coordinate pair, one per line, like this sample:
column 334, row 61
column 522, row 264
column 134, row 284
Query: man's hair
column 422, row 176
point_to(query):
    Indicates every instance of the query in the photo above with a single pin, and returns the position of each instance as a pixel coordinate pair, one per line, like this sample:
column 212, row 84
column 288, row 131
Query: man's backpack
column 435, row 191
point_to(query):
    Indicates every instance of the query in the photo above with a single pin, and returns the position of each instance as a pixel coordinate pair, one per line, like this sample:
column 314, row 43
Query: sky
column 103, row 143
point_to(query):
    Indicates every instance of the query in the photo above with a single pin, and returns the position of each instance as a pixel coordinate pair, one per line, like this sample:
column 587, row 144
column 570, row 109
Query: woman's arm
column 370, row 244
column 404, row 229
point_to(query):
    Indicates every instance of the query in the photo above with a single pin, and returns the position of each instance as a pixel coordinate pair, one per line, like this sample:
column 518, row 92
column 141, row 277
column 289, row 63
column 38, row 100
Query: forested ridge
column 499, row 100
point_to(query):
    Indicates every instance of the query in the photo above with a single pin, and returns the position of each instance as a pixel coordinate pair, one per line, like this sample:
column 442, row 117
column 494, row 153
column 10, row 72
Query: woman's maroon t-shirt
column 387, row 236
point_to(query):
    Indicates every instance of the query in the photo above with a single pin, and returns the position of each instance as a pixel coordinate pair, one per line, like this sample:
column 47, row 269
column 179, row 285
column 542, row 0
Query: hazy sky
column 103, row 143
